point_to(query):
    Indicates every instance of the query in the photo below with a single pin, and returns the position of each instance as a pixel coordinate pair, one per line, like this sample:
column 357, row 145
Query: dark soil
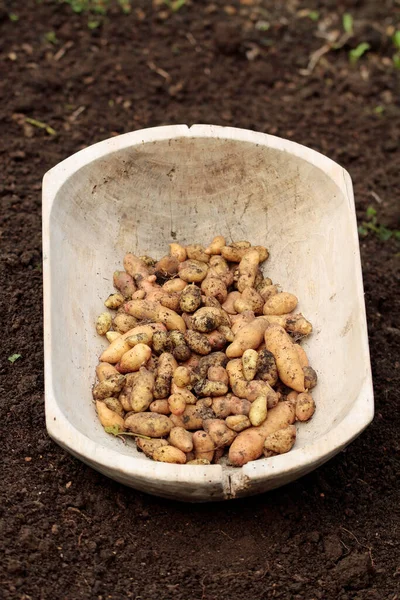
column 68, row 532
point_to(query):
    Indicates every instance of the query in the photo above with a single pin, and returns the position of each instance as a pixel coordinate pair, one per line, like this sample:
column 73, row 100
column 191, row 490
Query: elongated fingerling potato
column 278, row 342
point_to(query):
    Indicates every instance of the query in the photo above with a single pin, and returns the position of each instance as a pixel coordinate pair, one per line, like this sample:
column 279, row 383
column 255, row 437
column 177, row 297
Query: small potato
column 114, row 301
column 105, row 370
column 193, row 416
column 276, row 320
column 124, row 323
column 150, row 424
column 280, row 304
column 170, row 301
column 310, row 378
column 115, row 405
column 124, row 283
column 142, row 309
column 233, row 254
column 174, row 285
column 249, row 300
column 134, row 358
column 149, row 446
column 167, row 266
column 203, row 445
column 227, row 333
column 197, row 252
column 302, row 355
column 182, row 376
column 165, row 370
column 222, row 406
column 177, row 338
column 267, row 290
column 182, row 439
column 238, row 423
column 239, row 321
column 125, row 397
column 190, row 456
column 279, row 343
column 161, row 342
column 140, row 338
column 178, row 252
column 177, row 404
column 193, row 271
column 108, row 417
column 218, row 374
column 218, row 431
column 266, row 367
column 249, row 336
column 207, row 388
column 216, row 339
column 170, row 319
column 206, row 319
column 215, row 359
column 103, row 323
column 257, row 388
column 241, row 244
column 182, row 353
column 305, row 407
column 262, row 253
column 135, row 267
column 190, row 299
column 249, row 363
column 258, row 411
column 298, row 325
column 280, row 442
column 216, row 245
column 219, row 268
column 248, row 268
column 106, row 388
column 210, row 302
column 183, row 391
column 169, row 454
column 214, row 287
column 138, row 295
column 148, row 260
column 240, row 406
column 198, row 461
column 198, row 342
column 112, row 335
column 160, row 406
column 292, row 397
column 229, row 303
column 142, row 391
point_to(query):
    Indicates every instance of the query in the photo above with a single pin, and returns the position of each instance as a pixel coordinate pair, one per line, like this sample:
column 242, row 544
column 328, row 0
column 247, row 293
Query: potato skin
column 149, row 446
column 198, row 342
column 190, row 299
column 280, row 441
column 193, row 271
column 134, row 358
column 112, row 385
column 279, row 343
column 197, row 252
column 103, row 323
column 151, row 424
column 108, row 417
column 203, row 445
column 124, row 283
column 310, row 378
column 280, row 304
column 165, row 370
column 248, row 267
column 305, row 407
column 238, row 423
column 206, row 319
column 216, row 245
column 266, row 367
column 142, row 391
column 105, row 370
column 250, row 336
column 219, row 433
column 160, row 406
column 181, row 438
column 169, row 454
column 258, row 411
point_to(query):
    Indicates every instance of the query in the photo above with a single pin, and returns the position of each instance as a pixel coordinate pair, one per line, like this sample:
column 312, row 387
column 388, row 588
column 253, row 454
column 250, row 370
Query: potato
column 279, row 343
column 134, row 358
column 310, row 378
column 215, row 359
column 305, row 407
column 193, row 271
column 249, row 363
column 276, row 320
column 203, row 445
column 249, row 300
column 216, row 340
column 170, row 301
column 148, row 261
column 169, row 454
column 193, row 416
column 160, row 406
column 197, row 342
column 167, row 266
column 149, row 446
column 165, row 370
column 219, row 269
column 112, row 385
column 109, row 418
column 303, row 360
column 149, row 424
column 142, row 391
column 237, row 423
column 198, row 461
column 190, row 299
column 280, row 442
column 207, row 388
column 197, row 252
column 221, row 406
column 292, row 397
column 140, row 338
column 174, row 285
column 249, row 336
column 280, row 304
column 114, row 301
column 258, row 411
column 227, row 333
column 125, row 397
column 214, row 287
column 241, row 244
column 170, row 319
column 124, row 323
column 249, row 444
column 262, row 253
column 229, row 303
column 206, row 319
column 135, row 267
column 257, row 388
column 177, row 404
column 216, row 245
column 112, row 335
column 161, row 342
column 138, row 295
column 266, row 367
column 219, row 433
column 115, row 405
column 267, row 290
column 182, row 377
column 182, row 353
column 298, row 325
column 104, row 370
column 218, row 373
column 178, row 252
column 142, row 309
column 124, row 283
column 182, row 439
column 103, row 323
column 248, row 267
column 239, row 406
column 239, row 321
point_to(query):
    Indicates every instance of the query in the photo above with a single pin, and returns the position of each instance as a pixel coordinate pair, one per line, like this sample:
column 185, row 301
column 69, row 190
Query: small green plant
column 14, row 357
column 175, row 5
column 51, row 37
column 125, row 6
column 347, row 21
column 396, row 44
column 78, row 6
column 93, row 24
column 13, row 17
column 313, row 15
column 40, row 125
column 378, row 110
column 371, row 225
column 357, row 53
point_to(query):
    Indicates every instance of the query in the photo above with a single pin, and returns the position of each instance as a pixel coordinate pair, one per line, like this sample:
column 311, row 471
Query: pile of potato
column 204, row 356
